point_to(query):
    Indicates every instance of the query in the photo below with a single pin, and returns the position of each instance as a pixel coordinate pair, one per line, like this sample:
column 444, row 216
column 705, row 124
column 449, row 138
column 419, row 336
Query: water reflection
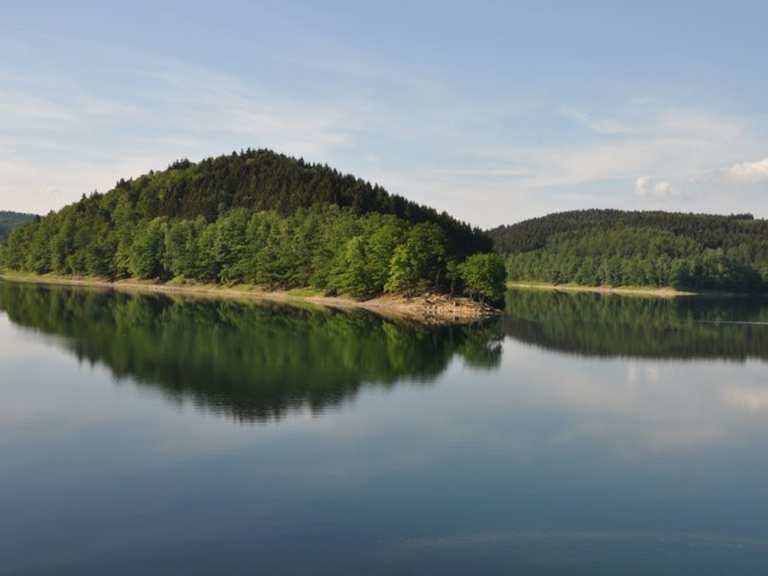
column 610, row 325
column 607, row 459
column 247, row 361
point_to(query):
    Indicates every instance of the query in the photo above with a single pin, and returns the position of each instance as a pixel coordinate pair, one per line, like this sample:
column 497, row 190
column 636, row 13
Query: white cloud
column 662, row 189
column 645, row 186
column 676, row 142
column 750, row 171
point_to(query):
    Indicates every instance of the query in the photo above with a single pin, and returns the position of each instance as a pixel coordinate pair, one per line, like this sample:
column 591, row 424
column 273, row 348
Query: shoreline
column 427, row 309
column 664, row 292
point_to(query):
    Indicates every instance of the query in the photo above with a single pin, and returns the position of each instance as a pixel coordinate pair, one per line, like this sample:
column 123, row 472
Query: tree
column 484, row 276
column 329, row 248
column 385, row 233
column 419, row 264
column 356, row 279
column 639, row 248
column 230, row 246
column 146, row 254
column 403, row 272
column 180, row 248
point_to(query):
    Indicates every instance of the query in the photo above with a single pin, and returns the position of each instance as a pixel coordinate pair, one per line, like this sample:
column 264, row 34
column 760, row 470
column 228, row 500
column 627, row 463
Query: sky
column 493, row 111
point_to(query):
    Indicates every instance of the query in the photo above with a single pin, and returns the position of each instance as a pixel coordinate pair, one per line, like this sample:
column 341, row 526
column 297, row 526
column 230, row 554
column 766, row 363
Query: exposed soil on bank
column 429, row 308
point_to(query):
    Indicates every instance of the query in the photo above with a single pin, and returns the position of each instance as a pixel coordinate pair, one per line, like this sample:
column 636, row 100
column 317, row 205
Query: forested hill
column 265, row 180
column 712, row 231
column 260, row 218
column 613, row 247
column 9, row 221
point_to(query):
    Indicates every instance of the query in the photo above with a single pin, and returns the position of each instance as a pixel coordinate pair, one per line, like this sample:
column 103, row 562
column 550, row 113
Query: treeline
column 609, row 247
column 247, row 361
column 328, row 248
column 711, row 231
column 264, row 219
column 10, row 220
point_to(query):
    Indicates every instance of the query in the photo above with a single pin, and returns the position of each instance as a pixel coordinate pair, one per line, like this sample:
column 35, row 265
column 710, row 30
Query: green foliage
column 14, row 248
column 354, row 277
column 10, row 220
column 324, row 247
column 181, row 248
column 609, row 247
column 419, row 264
column 147, row 250
column 711, row 231
column 484, row 276
column 256, row 218
column 262, row 180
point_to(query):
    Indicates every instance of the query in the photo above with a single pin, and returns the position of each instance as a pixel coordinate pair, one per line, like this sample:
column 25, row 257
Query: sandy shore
column 430, row 308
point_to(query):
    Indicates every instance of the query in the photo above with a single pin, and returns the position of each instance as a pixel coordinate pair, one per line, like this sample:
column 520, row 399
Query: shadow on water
column 591, row 324
column 251, row 362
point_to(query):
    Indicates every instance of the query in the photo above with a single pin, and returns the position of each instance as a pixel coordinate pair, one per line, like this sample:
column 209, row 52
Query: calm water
column 578, row 435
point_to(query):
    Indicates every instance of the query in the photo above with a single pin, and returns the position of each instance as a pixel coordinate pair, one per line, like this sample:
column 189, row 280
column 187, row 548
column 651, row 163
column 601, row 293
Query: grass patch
column 305, row 292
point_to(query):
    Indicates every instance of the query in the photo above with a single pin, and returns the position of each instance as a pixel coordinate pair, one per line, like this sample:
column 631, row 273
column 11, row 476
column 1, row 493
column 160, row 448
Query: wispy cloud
column 750, row 171
column 483, row 172
column 201, row 102
column 23, row 107
column 56, row 147
column 606, row 126
column 522, row 157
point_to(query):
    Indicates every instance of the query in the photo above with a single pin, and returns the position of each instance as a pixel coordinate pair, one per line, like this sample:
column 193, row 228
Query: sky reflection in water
column 578, row 435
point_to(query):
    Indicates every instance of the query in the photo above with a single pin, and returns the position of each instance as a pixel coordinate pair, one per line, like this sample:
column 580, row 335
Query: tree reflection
column 612, row 325
column 247, row 361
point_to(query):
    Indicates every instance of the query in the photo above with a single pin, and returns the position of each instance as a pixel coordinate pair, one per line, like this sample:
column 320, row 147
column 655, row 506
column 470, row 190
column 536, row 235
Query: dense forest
column 265, row 219
column 10, row 220
column 617, row 248
column 246, row 361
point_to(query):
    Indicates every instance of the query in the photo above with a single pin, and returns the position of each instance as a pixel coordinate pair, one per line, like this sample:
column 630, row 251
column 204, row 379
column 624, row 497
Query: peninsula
column 267, row 222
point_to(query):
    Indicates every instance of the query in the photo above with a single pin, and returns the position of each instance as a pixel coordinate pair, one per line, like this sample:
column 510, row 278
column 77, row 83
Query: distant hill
column 9, row 221
column 262, row 218
column 614, row 247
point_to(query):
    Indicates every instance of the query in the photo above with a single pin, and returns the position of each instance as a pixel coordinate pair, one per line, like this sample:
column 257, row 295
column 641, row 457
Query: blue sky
column 494, row 111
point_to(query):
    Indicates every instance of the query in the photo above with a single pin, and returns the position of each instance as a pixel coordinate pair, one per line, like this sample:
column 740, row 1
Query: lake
column 577, row 434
